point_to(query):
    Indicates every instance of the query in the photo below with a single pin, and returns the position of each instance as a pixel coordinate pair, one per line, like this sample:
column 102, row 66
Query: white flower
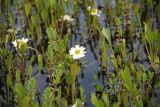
column 77, row 52
column 89, row 8
column 76, row 104
column 95, row 12
column 67, row 18
column 12, row 31
column 19, row 42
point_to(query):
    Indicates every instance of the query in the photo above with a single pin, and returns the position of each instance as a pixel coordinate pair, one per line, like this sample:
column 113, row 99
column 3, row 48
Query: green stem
column 73, row 91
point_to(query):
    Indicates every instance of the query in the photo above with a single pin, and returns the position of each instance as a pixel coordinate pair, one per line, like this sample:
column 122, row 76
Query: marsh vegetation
column 80, row 53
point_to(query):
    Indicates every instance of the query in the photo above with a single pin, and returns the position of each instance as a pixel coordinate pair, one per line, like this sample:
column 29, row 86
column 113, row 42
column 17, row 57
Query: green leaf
column 152, row 36
column 127, row 78
column 18, row 76
column 26, row 101
column 139, row 103
column 136, row 9
column 27, row 8
column 144, row 77
column 149, row 2
column 11, row 18
column 114, row 61
column 9, row 80
column 95, row 101
column 115, row 105
column 32, row 59
column 6, row 41
column 20, row 91
column 106, row 2
column 151, row 74
column 99, row 87
column 105, row 99
column 52, row 3
column 118, row 21
column 39, row 4
column 7, row 3
column 35, row 20
column 75, row 69
column 51, row 33
column 40, row 62
column 30, row 71
column 82, row 94
column 107, row 35
column 44, row 15
column 68, row 78
column 64, row 103
column 139, row 75
column 31, row 87
column 48, row 98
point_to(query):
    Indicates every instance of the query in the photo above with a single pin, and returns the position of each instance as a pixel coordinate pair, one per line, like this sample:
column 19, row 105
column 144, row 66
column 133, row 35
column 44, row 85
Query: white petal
column 72, row 51
column 77, row 47
column 89, row 8
column 84, row 52
column 75, row 57
column 82, row 55
column 70, row 19
column 14, row 43
column 74, row 105
column 25, row 40
column 22, row 39
column 82, row 48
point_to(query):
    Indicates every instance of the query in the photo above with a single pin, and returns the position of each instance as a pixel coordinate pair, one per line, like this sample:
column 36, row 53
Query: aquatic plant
column 77, row 52
column 19, row 42
column 43, row 46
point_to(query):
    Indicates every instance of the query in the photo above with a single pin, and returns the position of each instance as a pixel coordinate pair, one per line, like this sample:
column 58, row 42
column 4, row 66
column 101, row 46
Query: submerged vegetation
column 80, row 53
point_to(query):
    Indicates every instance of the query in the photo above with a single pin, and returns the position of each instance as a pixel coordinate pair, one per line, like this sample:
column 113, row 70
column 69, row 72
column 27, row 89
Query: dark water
column 92, row 65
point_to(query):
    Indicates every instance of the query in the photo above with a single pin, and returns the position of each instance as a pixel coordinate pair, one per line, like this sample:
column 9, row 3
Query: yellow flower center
column 94, row 11
column 78, row 51
column 20, row 42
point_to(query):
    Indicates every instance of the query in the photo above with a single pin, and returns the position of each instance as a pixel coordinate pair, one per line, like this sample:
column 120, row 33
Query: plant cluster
column 50, row 39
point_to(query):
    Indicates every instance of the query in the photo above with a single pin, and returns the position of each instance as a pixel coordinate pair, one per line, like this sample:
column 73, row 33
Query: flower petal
column 77, row 55
column 14, row 43
column 77, row 47
column 72, row 51
column 25, row 40
column 82, row 48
